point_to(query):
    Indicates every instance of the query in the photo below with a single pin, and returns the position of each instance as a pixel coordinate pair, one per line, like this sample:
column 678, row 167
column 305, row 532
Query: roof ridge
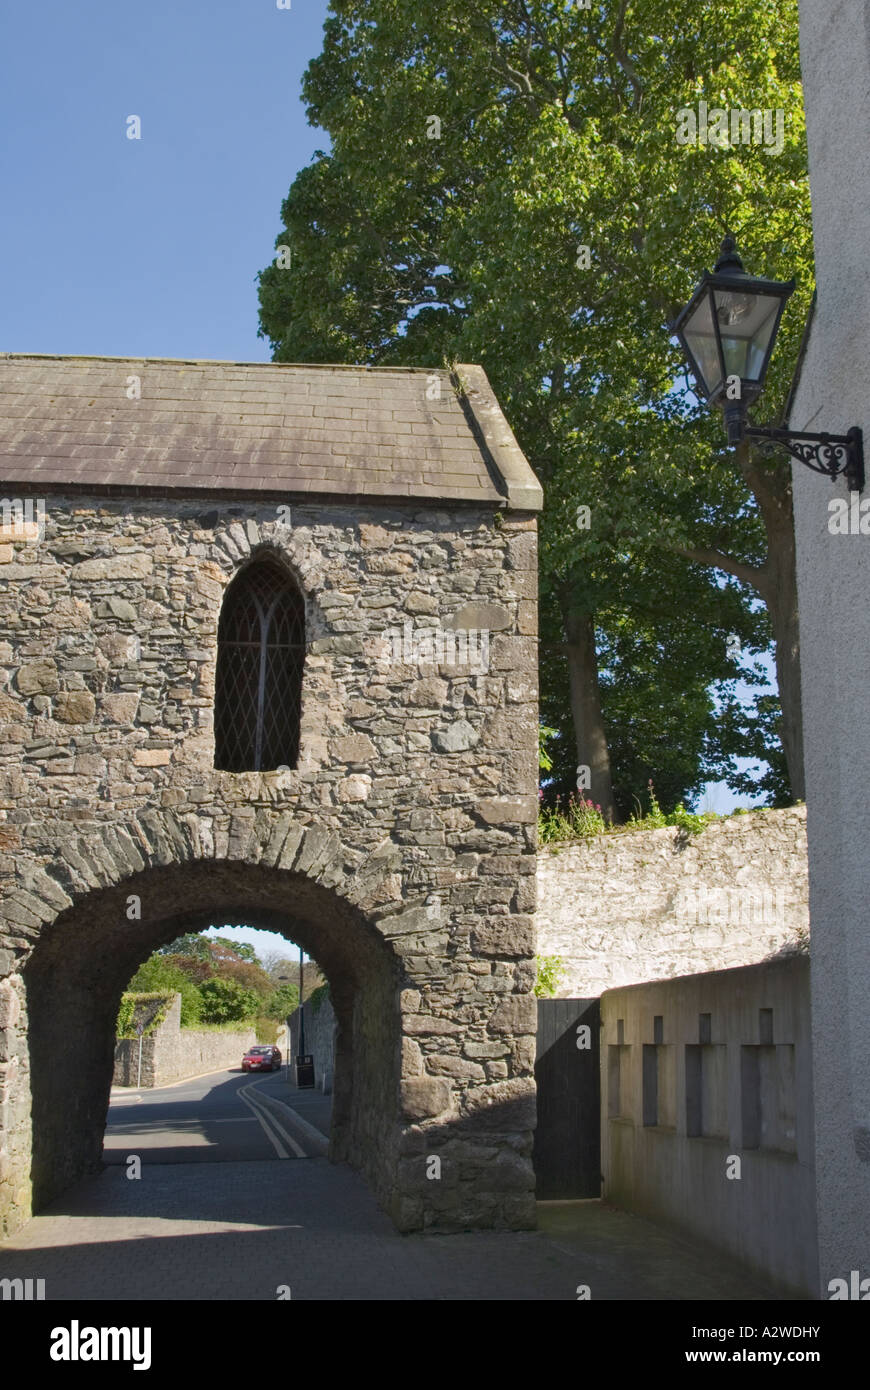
column 213, row 362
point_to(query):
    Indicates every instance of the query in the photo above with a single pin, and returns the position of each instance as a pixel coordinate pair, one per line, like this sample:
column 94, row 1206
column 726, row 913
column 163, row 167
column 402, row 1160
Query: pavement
column 216, row 1214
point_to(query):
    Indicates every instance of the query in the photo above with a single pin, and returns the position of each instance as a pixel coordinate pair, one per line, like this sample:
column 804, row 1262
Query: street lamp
column 727, row 332
column 304, row 1061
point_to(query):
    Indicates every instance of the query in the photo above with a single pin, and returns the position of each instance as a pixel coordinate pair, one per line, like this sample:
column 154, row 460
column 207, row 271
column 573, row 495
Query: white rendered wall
column 834, row 597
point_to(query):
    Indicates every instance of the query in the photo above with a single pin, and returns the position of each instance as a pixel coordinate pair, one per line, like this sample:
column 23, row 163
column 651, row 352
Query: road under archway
column 83, row 961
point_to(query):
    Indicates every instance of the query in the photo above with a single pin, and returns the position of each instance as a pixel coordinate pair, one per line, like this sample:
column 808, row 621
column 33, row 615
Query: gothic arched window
column 258, row 686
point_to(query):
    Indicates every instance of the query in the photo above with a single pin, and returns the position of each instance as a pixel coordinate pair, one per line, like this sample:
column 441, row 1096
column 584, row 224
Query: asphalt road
column 214, row 1214
column 223, row 1117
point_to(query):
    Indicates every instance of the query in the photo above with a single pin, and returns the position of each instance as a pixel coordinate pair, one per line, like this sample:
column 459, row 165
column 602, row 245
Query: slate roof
column 257, row 428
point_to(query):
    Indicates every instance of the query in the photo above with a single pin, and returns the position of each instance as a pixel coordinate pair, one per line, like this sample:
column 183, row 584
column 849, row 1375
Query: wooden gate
column 567, row 1152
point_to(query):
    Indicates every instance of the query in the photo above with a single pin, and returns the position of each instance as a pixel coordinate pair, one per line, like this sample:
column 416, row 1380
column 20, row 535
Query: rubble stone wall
column 654, row 904
column 171, row 1052
column 400, row 852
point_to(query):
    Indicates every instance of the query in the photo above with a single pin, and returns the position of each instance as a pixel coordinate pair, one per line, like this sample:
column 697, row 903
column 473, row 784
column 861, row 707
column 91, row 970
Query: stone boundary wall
column 319, row 1039
column 650, row 905
column 707, row 1114
column 171, row 1053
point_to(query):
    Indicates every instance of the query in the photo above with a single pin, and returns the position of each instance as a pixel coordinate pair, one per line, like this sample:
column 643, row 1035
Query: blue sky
column 149, row 247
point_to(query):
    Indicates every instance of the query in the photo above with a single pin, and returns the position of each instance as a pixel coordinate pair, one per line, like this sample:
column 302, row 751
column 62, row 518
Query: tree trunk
column 779, row 590
column 589, row 731
column 776, row 583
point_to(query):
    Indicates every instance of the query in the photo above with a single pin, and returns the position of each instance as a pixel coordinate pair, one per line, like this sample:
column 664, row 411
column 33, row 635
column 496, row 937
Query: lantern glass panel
column 700, row 337
column 747, row 323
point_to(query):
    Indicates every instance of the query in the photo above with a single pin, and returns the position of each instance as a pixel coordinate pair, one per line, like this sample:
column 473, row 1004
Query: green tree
column 417, row 242
column 192, row 944
column 662, row 722
column 239, row 950
column 158, row 975
column 246, row 974
column 210, row 947
column 196, row 968
column 282, row 1002
column 225, row 1001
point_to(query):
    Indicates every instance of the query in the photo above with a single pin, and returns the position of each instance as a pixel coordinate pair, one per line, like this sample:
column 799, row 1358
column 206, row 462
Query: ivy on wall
column 145, row 1011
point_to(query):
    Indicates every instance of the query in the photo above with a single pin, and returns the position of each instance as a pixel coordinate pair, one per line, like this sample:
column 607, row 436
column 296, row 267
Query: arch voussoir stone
column 314, row 842
column 370, row 875
column 242, row 835
column 163, row 837
column 198, row 833
column 122, row 848
column 34, row 902
column 263, row 822
column 338, row 872
column 159, row 837
column 281, row 824
column 19, row 907
column 322, row 848
column 44, row 886
column 90, row 869
column 291, row 847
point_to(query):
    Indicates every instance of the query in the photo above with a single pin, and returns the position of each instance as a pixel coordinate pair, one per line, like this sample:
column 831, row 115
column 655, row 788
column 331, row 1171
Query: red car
column 261, row 1059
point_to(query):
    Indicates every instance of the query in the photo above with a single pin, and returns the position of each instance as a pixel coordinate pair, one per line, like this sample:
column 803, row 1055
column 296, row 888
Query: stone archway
column 71, row 984
column 74, row 980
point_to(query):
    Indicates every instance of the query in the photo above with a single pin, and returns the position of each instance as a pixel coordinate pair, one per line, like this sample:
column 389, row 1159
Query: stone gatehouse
column 206, row 715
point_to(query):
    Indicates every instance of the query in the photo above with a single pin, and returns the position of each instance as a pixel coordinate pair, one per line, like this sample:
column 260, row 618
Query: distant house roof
column 258, row 428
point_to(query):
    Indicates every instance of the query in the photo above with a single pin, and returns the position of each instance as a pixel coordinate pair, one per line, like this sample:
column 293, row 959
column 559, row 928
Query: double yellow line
column 271, row 1127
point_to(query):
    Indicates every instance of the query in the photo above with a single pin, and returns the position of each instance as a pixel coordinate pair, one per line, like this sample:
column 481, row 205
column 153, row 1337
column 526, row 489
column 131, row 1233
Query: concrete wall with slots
column 170, row 1053
column 622, row 909
column 698, row 1073
column 400, row 853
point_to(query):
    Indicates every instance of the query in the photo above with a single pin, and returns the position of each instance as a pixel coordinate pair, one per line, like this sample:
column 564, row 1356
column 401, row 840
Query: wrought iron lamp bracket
column 831, row 454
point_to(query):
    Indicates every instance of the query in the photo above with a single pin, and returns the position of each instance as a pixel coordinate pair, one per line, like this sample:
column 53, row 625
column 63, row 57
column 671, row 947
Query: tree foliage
column 549, row 972
column 555, row 132
column 226, row 1001
column 282, row 1002
column 192, row 964
column 157, row 975
column 210, row 948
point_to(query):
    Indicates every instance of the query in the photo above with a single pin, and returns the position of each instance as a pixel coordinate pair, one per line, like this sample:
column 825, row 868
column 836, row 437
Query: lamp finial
column 729, row 260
